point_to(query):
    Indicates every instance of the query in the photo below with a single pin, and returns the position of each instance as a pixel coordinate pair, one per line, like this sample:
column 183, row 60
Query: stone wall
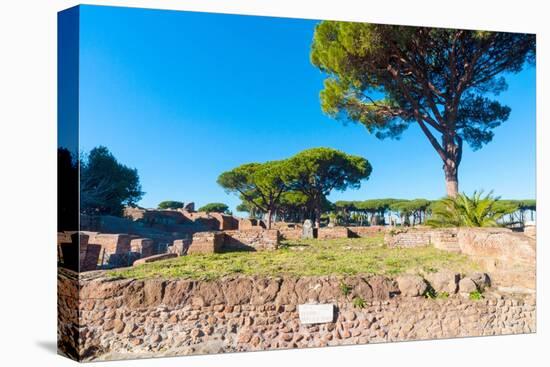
column 290, row 233
column 252, row 239
column 245, row 224
column 329, row 233
column 76, row 253
column 445, row 239
column 206, row 243
column 117, row 319
column 145, row 247
column 370, row 231
column 407, row 238
column 509, row 256
column 116, row 249
column 226, row 222
column 441, row 238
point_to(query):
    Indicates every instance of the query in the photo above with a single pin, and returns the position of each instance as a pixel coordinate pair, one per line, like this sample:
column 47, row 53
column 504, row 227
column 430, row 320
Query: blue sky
column 185, row 96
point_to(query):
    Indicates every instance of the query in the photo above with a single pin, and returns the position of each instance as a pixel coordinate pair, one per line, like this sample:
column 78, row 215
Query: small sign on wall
column 316, row 314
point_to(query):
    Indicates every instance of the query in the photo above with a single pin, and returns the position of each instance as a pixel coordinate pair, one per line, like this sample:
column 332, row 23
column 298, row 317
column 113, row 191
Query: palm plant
column 469, row 211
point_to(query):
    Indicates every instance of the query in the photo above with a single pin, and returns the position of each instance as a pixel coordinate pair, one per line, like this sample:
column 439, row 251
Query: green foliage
column 107, row 185
column 430, row 293
column 345, row 288
column 529, row 204
column 476, row 296
column 214, row 208
column 469, row 211
column 316, row 172
column 410, row 206
column 443, row 295
column 388, row 77
column 244, row 207
column 294, row 206
column 359, row 302
column 298, row 184
column 411, row 67
column 170, row 204
column 259, row 184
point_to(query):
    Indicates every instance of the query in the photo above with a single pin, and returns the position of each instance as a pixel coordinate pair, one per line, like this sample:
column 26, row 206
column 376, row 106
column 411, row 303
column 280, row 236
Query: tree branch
column 433, row 140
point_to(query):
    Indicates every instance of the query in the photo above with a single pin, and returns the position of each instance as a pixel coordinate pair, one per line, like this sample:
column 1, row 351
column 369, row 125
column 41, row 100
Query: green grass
column 365, row 256
column 476, row 296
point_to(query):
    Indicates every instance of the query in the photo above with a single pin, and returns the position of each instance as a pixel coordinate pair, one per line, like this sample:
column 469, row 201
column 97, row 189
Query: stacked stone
column 252, row 239
column 206, row 243
column 327, row 233
column 370, row 231
column 408, row 238
column 143, row 246
column 132, row 318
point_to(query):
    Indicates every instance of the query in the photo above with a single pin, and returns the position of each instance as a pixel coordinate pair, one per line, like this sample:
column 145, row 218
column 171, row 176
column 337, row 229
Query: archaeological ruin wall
column 509, row 256
column 108, row 318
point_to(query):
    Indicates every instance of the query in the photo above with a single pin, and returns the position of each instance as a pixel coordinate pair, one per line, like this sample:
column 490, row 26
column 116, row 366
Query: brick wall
column 144, row 246
column 252, row 239
column 290, row 233
column 250, row 224
column 75, row 252
column 407, row 238
column 370, row 231
column 206, row 242
column 509, row 256
column 328, row 233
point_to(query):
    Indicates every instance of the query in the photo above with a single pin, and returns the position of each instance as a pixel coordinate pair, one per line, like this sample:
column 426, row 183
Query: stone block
column 143, row 246
column 206, row 243
column 411, row 285
column 444, row 282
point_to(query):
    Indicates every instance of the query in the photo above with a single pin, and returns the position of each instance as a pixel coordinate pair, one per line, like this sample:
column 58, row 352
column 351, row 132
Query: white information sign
column 316, row 314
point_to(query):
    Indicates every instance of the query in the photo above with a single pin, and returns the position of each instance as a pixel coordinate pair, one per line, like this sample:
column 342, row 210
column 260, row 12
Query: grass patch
column 476, row 296
column 345, row 289
column 359, row 302
column 349, row 256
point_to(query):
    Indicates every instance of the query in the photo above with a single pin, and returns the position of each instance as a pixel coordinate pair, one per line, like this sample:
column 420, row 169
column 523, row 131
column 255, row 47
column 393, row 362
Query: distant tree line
column 476, row 210
column 463, row 210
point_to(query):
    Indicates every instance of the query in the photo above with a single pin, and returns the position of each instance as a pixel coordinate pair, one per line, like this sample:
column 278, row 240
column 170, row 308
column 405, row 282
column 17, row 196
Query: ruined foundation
column 120, row 319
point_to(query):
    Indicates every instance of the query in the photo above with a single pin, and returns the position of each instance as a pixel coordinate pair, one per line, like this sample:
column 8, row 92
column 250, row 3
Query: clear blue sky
column 185, row 96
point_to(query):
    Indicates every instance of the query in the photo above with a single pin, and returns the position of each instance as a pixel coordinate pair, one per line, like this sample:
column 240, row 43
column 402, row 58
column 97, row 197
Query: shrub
column 359, row 302
column 345, row 288
column 476, row 296
column 468, row 211
column 430, row 293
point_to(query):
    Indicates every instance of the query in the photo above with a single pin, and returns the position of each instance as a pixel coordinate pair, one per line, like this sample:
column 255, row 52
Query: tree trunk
column 451, row 179
column 452, row 144
column 318, row 213
column 269, row 214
